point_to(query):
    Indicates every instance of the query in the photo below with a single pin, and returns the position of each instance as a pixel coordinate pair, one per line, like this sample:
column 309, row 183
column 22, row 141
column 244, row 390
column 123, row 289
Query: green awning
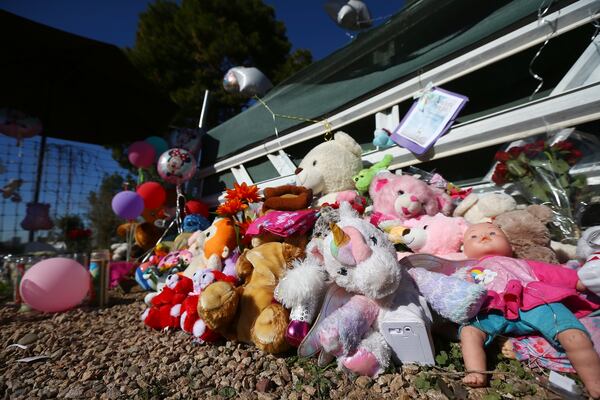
column 423, row 35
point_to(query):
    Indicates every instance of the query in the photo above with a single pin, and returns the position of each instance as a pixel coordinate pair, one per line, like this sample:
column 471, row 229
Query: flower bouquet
column 237, row 208
column 541, row 173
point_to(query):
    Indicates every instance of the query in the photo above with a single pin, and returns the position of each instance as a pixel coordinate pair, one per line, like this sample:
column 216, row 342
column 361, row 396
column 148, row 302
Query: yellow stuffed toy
column 247, row 313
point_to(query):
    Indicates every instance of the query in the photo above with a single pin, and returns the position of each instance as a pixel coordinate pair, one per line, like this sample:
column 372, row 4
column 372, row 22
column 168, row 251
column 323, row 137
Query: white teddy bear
column 329, row 167
column 482, row 208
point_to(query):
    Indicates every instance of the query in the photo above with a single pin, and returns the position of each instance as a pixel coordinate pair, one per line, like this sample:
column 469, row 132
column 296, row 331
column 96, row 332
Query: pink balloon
column 141, row 154
column 55, row 284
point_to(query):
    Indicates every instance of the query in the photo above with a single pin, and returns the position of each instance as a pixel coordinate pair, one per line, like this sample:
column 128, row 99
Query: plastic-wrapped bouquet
column 540, row 170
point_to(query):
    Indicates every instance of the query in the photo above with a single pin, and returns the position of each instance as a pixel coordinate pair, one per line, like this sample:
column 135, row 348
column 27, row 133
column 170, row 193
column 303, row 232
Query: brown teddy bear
column 146, row 234
column 247, row 313
column 284, row 198
column 527, row 232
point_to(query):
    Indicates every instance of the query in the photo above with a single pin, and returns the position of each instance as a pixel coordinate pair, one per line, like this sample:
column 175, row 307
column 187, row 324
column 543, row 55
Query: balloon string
column 553, row 24
column 129, row 239
column 178, row 209
column 325, row 122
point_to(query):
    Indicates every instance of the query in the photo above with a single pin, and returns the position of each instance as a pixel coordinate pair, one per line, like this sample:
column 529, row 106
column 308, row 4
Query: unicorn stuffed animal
column 369, row 288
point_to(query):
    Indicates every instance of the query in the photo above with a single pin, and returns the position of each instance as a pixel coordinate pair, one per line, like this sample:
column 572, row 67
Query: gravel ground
column 110, row 354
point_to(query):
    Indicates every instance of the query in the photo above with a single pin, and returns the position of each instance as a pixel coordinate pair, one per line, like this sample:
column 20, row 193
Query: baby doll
column 525, row 297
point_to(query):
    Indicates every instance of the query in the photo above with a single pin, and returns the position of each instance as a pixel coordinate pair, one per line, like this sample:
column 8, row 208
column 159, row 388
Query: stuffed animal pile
column 346, row 263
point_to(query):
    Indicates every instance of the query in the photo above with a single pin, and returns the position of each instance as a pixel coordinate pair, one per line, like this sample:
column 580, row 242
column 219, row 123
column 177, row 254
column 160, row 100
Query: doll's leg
column 471, row 342
column 583, row 357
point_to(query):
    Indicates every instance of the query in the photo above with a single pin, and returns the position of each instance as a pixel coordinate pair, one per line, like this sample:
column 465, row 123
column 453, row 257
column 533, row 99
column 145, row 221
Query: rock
column 75, row 392
column 285, row 374
column 133, row 371
column 309, row 390
column 264, row 385
column 57, row 354
column 87, row 375
column 363, row 381
column 28, row 339
column 396, row 383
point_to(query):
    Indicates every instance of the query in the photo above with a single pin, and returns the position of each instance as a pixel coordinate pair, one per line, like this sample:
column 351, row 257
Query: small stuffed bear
column 401, row 197
column 476, row 208
column 285, row 217
column 190, row 320
column 146, row 234
column 328, row 168
column 527, row 233
column 438, row 235
column 247, row 313
column 166, row 306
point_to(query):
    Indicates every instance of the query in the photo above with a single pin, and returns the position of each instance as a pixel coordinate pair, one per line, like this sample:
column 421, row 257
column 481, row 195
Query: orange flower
column 231, row 207
column 243, row 192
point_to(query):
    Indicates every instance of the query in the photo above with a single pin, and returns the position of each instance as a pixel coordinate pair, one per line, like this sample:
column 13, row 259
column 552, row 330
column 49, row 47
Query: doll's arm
column 555, row 274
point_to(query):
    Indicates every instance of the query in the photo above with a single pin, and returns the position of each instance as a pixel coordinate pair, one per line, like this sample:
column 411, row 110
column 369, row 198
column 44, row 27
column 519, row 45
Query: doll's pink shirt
column 515, row 284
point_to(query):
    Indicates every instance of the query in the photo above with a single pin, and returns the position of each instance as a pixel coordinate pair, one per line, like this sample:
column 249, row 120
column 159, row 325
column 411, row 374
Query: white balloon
column 349, row 14
column 248, row 81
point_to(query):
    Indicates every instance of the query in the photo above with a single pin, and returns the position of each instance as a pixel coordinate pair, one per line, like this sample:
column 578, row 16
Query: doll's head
column 486, row 239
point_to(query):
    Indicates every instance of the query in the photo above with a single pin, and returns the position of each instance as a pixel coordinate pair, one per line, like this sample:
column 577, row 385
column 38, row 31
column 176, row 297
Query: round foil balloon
column 176, row 166
column 186, row 138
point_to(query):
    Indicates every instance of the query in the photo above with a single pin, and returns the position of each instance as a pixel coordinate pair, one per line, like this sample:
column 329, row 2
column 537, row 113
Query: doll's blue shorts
column 548, row 320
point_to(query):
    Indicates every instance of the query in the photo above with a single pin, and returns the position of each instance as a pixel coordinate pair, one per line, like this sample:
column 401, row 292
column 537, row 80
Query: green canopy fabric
column 423, row 35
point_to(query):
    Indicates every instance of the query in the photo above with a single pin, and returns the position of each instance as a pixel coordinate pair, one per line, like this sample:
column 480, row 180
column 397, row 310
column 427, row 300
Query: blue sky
column 115, row 21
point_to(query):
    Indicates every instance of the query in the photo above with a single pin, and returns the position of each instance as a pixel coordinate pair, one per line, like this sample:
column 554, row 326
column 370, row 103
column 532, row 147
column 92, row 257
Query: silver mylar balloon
column 349, row 14
column 248, row 81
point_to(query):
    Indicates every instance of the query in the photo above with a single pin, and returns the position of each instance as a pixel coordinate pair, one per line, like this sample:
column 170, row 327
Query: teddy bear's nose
column 297, row 171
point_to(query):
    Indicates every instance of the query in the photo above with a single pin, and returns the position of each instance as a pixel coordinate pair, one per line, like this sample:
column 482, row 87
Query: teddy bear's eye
column 425, row 227
column 373, row 240
column 473, row 236
column 400, row 192
column 356, row 179
column 315, row 163
column 492, row 233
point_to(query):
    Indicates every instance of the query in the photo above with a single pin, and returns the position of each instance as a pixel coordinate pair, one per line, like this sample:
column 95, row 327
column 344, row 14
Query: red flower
column 574, row 156
column 231, row 207
column 502, row 156
column 73, row 234
column 243, row 192
column 500, row 174
column 515, row 151
column 564, row 145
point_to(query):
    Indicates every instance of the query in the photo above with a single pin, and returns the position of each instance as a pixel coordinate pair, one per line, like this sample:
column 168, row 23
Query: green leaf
column 442, row 358
column 422, row 382
column 492, row 396
column 227, row 392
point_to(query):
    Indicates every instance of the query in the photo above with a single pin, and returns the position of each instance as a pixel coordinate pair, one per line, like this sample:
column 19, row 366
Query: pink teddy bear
column 437, row 235
column 401, row 197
